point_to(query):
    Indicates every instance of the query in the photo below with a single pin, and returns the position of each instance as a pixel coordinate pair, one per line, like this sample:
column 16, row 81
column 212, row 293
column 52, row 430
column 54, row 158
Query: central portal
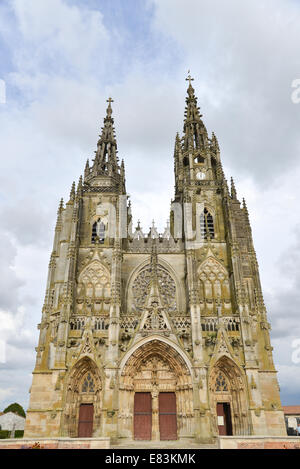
column 156, row 394
column 143, row 421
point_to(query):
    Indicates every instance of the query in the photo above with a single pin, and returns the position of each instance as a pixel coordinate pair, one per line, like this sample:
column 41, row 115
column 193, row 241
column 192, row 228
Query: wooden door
column 142, row 416
column 167, row 416
column 224, row 418
column 85, row 424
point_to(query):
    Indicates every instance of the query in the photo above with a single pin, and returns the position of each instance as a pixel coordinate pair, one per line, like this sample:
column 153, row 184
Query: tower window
column 207, row 225
column 98, row 232
column 199, row 159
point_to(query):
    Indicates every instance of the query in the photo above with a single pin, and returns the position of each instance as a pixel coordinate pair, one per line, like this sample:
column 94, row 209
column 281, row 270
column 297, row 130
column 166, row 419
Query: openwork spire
column 195, row 133
column 106, row 160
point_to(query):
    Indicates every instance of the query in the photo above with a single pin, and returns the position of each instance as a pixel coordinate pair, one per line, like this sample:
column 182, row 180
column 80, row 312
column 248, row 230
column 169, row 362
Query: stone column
column 155, row 415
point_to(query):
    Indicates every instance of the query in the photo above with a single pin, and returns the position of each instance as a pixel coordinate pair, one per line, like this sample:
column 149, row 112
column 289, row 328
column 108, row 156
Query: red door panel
column 167, row 416
column 224, row 418
column 85, row 425
column 142, row 416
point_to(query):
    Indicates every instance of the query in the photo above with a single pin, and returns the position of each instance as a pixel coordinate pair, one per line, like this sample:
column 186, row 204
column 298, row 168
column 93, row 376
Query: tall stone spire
column 106, row 160
column 195, row 133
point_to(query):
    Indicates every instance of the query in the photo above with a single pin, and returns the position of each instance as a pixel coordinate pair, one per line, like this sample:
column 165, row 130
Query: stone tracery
column 167, row 289
column 214, row 286
column 94, row 281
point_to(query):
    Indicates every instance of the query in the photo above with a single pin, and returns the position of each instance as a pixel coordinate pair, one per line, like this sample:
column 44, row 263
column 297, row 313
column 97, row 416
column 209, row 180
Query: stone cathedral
column 154, row 336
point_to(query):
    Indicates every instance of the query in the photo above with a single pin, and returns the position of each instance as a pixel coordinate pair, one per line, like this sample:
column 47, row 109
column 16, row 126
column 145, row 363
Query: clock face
column 200, row 175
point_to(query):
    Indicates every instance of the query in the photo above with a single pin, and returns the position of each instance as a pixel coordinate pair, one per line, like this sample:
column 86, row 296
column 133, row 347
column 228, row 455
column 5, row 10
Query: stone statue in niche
column 155, row 319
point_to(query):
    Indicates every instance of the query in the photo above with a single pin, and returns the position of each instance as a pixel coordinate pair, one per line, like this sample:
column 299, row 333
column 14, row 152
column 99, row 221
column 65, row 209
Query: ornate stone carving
column 166, row 284
column 213, row 284
column 94, row 281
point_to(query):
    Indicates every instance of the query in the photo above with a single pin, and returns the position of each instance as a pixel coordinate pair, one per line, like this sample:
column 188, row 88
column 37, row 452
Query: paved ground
column 178, row 444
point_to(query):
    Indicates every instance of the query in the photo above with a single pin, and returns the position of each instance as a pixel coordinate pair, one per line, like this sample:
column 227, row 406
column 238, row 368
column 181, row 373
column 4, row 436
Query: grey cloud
column 19, row 383
column 10, row 283
column 285, row 301
column 28, row 221
column 243, row 69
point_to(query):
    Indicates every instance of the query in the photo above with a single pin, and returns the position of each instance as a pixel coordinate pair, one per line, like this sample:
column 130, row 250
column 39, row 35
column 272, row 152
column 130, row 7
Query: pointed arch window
column 221, row 383
column 98, row 231
column 88, row 384
column 207, row 225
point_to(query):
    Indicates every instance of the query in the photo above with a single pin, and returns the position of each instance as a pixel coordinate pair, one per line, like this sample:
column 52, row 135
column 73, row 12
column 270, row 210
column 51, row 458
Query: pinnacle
column 79, row 186
column 233, row 190
column 61, row 206
column 72, row 192
column 226, row 189
column 214, row 141
column 245, row 207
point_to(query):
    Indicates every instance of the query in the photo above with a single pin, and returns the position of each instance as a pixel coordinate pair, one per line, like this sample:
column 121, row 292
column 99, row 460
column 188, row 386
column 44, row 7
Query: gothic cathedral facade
column 150, row 336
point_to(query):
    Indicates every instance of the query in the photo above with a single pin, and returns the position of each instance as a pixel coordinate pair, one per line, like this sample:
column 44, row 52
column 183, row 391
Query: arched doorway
column 228, row 398
column 156, row 394
column 83, row 400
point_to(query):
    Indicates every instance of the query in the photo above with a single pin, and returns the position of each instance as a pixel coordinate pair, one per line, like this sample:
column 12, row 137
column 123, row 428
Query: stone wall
column 56, row 443
column 264, row 442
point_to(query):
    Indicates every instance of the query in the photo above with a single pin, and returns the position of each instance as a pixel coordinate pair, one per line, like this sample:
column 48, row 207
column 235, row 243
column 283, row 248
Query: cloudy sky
column 61, row 59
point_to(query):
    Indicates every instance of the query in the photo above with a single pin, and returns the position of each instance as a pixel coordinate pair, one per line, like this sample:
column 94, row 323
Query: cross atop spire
column 109, row 109
column 189, row 78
